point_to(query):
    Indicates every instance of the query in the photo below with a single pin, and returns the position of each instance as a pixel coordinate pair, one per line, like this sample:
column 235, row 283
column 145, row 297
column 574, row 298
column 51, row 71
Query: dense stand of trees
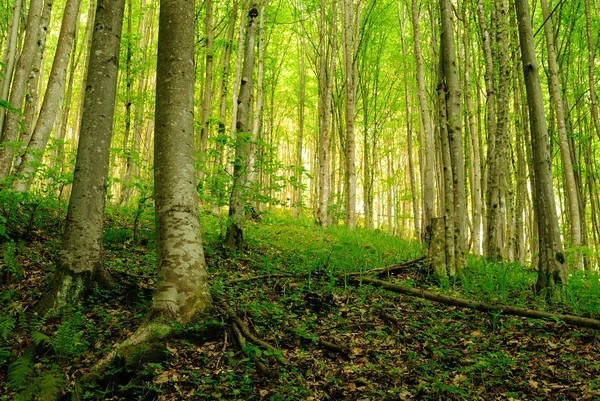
column 474, row 119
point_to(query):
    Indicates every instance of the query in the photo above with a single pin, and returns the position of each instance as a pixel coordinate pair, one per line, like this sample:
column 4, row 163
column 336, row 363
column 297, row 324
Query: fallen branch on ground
column 481, row 306
column 267, row 276
column 386, row 270
column 399, row 267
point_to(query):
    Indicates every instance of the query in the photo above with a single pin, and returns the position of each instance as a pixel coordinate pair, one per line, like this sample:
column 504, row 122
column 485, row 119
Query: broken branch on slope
column 481, row 306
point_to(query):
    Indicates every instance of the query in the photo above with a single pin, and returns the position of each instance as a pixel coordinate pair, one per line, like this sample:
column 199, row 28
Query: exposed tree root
column 246, row 332
column 149, row 332
column 481, row 306
column 334, row 347
column 262, row 368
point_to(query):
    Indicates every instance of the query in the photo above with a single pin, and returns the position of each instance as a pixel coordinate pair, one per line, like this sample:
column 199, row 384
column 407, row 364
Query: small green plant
column 46, row 385
column 10, row 267
column 44, row 379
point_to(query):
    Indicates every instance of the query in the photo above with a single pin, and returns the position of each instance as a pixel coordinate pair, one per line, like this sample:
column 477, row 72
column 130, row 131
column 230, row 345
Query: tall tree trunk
column 234, row 239
column 498, row 150
column 449, row 269
column 591, row 67
column 474, row 136
column 490, row 121
column 238, row 75
column 551, row 265
column 12, row 45
column 206, row 98
column 10, row 132
column 52, row 98
column 183, row 289
column 429, row 162
column 31, row 96
column 257, row 127
column 326, row 66
column 80, row 263
column 125, row 169
column 222, row 138
column 565, row 151
column 454, row 121
column 350, row 20
column 297, row 199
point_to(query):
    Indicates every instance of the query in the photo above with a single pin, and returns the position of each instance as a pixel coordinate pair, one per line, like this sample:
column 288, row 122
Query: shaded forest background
column 304, row 56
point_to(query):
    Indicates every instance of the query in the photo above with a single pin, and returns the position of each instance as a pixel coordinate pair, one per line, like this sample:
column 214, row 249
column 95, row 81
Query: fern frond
column 51, row 385
column 20, row 371
column 68, row 340
column 7, row 325
column 40, row 338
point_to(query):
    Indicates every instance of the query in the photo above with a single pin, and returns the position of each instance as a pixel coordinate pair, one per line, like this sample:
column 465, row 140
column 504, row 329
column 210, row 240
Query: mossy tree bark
column 80, row 261
column 551, row 267
column 234, row 238
column 182, row 277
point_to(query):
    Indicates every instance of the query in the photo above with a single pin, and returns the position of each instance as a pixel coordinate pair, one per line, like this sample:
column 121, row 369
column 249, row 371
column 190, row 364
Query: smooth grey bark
column 80, row 265
column 183, row 289
column 297, row 200
column 238, row 75
column 565, row 151
column 429, row 162
column 454, row 126
column 222, row 137
column 10, row 132
column 52, row 98
column 234, row 238
column 496, row 244
column 31, row 96
column 490, row 116
column 12, row 45
column 552, row 272
column 473, row 133
column 326, row 70
column 257, row 115
column 207, row 96
column 350, row 43
column 591, row 66
column 449, row 268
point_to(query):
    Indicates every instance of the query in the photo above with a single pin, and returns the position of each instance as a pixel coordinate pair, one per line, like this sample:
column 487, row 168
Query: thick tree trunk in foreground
column 80, row 265
column 10, row 132
column 52, row 99
column 183, row 289
column 234, row 239
column 551, row 267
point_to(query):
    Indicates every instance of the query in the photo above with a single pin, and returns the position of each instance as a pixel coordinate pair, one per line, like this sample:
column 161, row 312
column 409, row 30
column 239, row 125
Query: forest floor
column 334, row 339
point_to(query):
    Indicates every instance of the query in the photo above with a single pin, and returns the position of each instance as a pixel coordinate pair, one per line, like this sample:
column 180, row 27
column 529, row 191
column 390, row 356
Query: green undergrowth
column 288, row 288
